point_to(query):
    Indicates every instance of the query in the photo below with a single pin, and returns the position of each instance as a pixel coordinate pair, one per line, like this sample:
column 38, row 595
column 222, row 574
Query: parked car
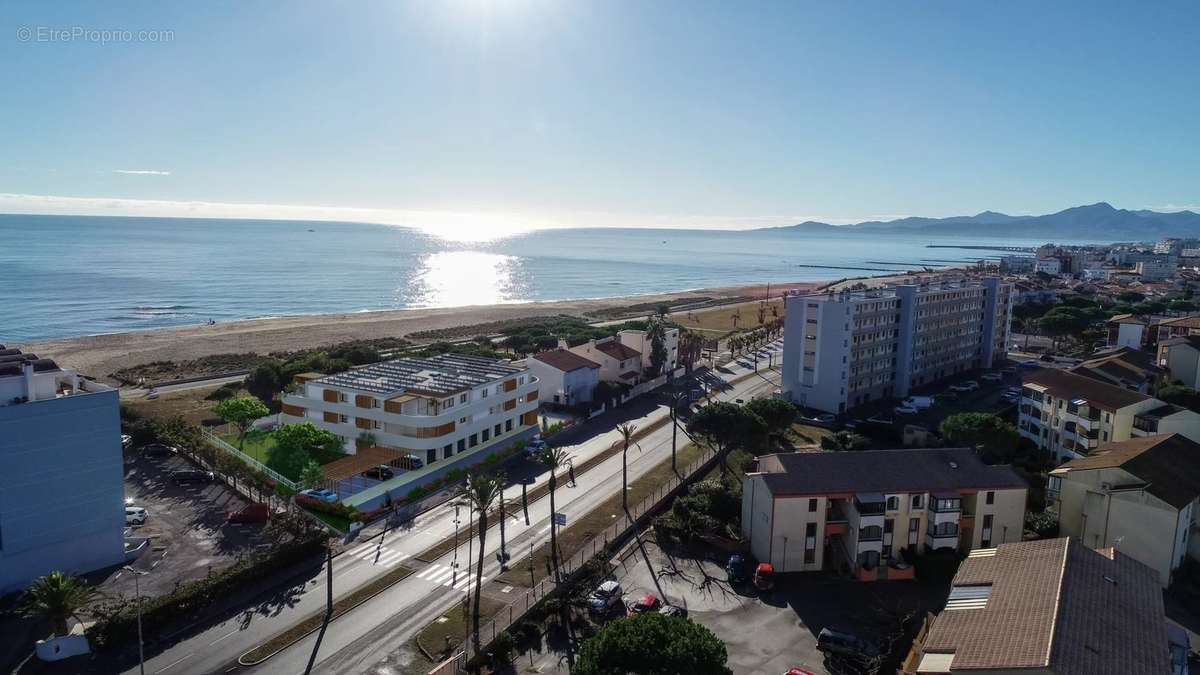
column 969, row 385
column 799, row 671
column 844, row 644
column 673, row 610
column 252, row 513
column 411, row 463
column 647, row 603
column 992, row 377
column 1047, row 358
column 735, row 569
column 158, row 450
column 534, row 447
column 323, row 495
column 918, row 402
column 1008, row 370
column 135, row 515
column 126, row 441
column 381, row 472
column 1029, row 364
column 905, row 410
column 184, row 476
column 764, row 577
column 826, row 418
column 605, row 598
column 738, row 401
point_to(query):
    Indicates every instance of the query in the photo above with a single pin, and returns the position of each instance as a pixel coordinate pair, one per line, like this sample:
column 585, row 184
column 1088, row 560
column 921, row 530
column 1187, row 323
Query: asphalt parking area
column 778, row 631
column 188, row 535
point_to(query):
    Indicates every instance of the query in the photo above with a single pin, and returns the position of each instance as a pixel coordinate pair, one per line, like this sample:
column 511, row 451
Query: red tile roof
column 617, row 350
column 1064, row 384
column 564, row 360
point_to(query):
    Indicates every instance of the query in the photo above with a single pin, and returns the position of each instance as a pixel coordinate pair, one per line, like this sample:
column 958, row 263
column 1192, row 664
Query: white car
column 971, row 385
column 606, row 598
column 905, row 410
column 992, row 377
column 126, row 440
column 135, row 515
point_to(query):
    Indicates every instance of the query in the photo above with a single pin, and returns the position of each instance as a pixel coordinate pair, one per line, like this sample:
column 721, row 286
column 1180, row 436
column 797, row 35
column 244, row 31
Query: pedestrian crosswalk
column 377, row 555
column 442, row 575
column 445, row 575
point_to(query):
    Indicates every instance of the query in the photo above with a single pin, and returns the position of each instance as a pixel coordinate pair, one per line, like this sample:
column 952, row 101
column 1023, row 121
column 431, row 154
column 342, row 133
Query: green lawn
column 256, row 445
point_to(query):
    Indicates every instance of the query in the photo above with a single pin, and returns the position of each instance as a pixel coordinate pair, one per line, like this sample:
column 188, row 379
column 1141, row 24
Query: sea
column 66, row 276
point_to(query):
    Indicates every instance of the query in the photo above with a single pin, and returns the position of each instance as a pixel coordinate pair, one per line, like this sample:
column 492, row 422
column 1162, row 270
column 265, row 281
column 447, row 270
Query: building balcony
column 941, row 539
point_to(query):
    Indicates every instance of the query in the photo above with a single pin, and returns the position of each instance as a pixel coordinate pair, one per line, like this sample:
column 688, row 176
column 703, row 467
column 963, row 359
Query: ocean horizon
column 67, row 276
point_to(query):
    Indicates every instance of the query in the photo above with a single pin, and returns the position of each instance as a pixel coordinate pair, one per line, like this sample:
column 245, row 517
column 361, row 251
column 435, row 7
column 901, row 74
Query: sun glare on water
column 460, row 278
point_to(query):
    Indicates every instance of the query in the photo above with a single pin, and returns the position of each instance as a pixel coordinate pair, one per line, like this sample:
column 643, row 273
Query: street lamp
column 137, row 592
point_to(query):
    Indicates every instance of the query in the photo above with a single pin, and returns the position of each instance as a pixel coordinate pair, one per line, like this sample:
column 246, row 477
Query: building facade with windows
column 855, row 511
column 1070, row 415
column 618, row 361
column 844, row 349
column 62, row 506
column 564, row 377
column 1141, row 496
column 440, row 409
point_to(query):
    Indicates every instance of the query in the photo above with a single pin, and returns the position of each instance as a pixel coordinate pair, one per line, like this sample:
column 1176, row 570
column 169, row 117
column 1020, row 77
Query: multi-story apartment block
column 62, row 506
column 564, row 377
column 618, row 361
column 1124, row 367
column 1141, row 495
column 640, row 341
column 1180, row 357
column 844, row 349
column 444, row 410
column 855, row 511
column 1051, row 607
column 1070, row 415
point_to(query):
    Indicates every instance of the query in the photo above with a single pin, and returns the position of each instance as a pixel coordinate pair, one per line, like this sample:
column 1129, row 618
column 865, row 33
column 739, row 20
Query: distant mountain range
column 1100, row 222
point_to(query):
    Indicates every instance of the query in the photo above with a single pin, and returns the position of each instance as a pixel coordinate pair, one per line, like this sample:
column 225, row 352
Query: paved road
column 369, row 633
column 136, row 393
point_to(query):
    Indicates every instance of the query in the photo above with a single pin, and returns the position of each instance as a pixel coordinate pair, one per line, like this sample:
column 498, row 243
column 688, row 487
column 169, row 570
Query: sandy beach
column 100, row 355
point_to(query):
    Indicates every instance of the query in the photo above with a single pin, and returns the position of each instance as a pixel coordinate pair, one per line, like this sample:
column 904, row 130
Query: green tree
column 480, row 493
column 725, row 426
column 1130, row 297
column 312, row 475
column 296, row 444
column 554, row 459
column 241, row 413
column 57, row 597
column 626, row 432
column 994, row 439
column 366, row 440
column 777, row 414
column 1180, row 395
column 653, row 644
column 845, row 441
column 1182, row 305
column 265, row 381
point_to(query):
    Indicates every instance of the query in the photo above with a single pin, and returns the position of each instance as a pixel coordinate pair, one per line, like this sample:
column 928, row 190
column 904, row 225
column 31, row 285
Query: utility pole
column 137, row 594
column 503, row 516
column 312, row 658
column 525, row 502
column 454, row 563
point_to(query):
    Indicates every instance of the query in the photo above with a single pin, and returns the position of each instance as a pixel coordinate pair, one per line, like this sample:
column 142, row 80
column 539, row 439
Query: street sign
column 560, row 519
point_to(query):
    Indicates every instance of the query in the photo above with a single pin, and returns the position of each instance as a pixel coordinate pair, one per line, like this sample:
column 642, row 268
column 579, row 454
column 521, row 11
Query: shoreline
column 102, row 354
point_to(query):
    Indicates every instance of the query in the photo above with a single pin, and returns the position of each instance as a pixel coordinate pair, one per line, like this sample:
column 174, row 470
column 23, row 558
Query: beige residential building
column 1180, row 357
column 1071, row 415
column 1051, row 607
column 618, row 361
column 1126, row 368
column 1141, row 496
column 855, row 511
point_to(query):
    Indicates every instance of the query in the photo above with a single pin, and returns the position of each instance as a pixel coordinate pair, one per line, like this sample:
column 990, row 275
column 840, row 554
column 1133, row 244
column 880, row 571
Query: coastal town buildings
column 1124, row 367
column 442, row 411
column 1180, row 356
column 62, row 507
column 1070, row 415
column 1141, row 496
column 564, row 377
column 856, row 511
column 618, row 361
column 847, row 348
column 640, row 340
column 1052, row 606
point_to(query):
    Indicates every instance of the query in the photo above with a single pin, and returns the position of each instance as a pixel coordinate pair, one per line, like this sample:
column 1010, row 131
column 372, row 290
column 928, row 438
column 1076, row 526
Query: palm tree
column 58, row 597
column 479, row 493
column 554, row 459
column 626, row 430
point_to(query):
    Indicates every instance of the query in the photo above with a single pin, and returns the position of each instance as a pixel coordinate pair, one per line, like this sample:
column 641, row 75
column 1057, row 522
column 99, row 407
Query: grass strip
column 450, row 630
column 577, row 535
column 446, row 545
column 311, row 623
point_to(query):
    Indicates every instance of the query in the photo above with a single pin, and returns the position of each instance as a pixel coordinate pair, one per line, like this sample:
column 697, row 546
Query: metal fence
column 218, row 442
column 602, row 544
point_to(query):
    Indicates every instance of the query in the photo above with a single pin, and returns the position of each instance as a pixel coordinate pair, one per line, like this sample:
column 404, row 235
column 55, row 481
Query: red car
column 798, row 671
column 254, row 513
column 648, row 603
column 764, row 577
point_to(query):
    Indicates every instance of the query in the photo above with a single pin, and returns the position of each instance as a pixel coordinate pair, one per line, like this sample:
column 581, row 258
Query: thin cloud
column 142, row 172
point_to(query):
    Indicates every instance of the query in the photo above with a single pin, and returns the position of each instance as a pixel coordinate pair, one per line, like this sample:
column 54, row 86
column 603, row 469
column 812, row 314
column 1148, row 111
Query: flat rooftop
column 438, row 375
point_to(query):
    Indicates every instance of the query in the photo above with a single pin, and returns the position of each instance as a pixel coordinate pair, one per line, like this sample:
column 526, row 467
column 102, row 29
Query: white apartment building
column 1070, row 414
column 564, row 377
column 62, row 506
column 1141, row 496
column 640, row 341
column 1156, row 269
column 444, row 409
column 1051, row 266
column 618, row 361
column 855, row 511
column 844, row 349
column 1181, row 358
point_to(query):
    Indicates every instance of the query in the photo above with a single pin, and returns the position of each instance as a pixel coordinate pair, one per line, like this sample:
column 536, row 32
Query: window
column 474, row 440
column 917, row 501
column 486, row 434
column 462, row 398
column 483, row 393
column 343, row 419
column 341, row 397
column 810, row 543
column 496, row 430
column 812, row 506
column 991, row 497
column 985, row 540
column 375, row 403
column 893, row 503
column 462, row 445
column 464, row 420
column 508, row 425
column 871, row 533
column 431, row 455
column 447, row 451
column 448, row 403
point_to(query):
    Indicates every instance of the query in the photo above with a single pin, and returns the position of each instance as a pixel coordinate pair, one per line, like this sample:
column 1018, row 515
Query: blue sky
column 600, row 113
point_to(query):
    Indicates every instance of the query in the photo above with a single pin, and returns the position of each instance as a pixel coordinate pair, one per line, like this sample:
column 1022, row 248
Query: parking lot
column 186, row 527
column 777, row 631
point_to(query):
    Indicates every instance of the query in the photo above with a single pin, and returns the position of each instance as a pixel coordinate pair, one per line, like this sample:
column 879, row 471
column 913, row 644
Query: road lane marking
column 224, row 636
column 174, row 663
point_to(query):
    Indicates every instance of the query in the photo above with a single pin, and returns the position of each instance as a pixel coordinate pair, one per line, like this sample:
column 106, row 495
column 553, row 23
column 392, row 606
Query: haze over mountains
column 1095, row 221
